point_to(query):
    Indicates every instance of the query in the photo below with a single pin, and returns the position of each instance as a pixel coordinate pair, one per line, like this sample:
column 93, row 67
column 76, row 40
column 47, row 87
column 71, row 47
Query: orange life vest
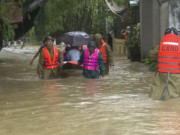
column 48, row 63
column 103, row 51
column 169, row 54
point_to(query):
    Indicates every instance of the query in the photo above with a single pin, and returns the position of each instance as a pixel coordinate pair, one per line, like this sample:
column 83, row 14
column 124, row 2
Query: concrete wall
column 154, row 20
column 149, row 19
column 118, row 47
column 164, row 18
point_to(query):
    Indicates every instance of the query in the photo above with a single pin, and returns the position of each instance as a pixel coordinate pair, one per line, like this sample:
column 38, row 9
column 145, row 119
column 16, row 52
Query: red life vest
column 125, row 36
column 103, row 51
column 48, row 63
column 169, row 54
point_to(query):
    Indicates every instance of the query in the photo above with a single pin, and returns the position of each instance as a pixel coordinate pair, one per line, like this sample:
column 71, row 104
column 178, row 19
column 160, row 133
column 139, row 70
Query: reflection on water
column 114, row 105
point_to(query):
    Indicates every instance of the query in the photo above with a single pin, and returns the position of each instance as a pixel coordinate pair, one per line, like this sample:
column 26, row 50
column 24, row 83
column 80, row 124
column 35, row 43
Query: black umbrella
column 75, row 38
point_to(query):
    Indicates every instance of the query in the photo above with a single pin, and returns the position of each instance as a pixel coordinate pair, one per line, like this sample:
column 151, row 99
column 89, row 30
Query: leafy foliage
column 123, row 2
column 151, row 59
column 152, row 63
column 6, row 28
column 133, row 39
column 58, row 17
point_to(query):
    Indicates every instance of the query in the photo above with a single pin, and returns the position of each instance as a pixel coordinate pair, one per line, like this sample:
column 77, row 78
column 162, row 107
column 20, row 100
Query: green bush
column 133, row 39
column 133, row 43
column 152, row 63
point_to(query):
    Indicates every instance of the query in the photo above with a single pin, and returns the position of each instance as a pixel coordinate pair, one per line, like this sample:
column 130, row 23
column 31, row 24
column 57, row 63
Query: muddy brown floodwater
column 72, row 105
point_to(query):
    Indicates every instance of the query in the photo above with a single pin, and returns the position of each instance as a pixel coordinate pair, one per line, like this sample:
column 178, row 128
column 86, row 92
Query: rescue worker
column 50, row 59
column 106, row 52
column 166, row 81
column 42, row 46
column 92, row 61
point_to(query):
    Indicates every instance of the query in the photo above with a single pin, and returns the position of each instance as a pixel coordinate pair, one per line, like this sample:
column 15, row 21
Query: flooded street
column 72, row 105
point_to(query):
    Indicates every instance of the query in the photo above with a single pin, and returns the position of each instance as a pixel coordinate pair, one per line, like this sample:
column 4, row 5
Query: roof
column 118, row 10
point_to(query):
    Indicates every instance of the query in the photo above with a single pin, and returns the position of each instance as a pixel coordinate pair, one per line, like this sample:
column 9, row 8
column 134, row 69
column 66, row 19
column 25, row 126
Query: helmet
column 98, row 36
column 92, row 44
column 48, row 38
column 171, row 30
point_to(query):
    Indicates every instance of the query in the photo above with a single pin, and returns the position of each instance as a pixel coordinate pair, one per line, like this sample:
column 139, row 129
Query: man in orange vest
column 166, row 81
column 50, row 59
column 106, row 52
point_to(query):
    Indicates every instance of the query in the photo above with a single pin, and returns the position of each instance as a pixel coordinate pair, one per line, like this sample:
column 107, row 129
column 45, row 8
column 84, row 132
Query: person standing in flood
column 166, row 80
column 92, row 61
column 42, row 46
column 50, row 59
column 106, row 52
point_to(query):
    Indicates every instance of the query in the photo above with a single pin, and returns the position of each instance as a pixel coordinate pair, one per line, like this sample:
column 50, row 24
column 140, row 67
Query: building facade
column 155, row 17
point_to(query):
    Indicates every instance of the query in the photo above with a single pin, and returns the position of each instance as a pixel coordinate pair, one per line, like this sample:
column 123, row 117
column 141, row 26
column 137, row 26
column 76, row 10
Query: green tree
column 6, row 25
column 58, row 17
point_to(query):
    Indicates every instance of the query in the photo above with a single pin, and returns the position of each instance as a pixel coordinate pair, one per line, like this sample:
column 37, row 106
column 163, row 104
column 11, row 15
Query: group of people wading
column 96, row 59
